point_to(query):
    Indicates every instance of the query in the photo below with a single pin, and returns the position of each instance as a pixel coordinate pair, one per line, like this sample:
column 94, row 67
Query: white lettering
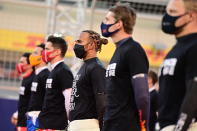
column 111, row 70
column 169, row 66
column 34, row 86
column 22, row 90
column 49, row 83
column 74, row 92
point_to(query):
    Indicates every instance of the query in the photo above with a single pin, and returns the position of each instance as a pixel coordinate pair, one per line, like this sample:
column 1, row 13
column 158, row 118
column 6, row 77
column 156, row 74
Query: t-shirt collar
column 56, row 63
column 151, row 89
column 187, row 38
column 119, row 43
column 38, row 70
column 91, row 59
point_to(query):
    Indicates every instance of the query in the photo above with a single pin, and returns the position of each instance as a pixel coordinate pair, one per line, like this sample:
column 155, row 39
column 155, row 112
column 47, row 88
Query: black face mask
column 79, row 51
column 168, row 24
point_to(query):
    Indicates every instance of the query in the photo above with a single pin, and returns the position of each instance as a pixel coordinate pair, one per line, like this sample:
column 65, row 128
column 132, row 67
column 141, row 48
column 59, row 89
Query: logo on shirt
column 34, row 86
column 169, row 66
column 22, row 90
column 74, row 92
column 49, row 83
column 111, row 70
column 181, row 122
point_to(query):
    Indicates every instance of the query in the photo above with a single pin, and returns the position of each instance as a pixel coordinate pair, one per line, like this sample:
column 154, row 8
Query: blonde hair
column 126, row 14
column 191, row 5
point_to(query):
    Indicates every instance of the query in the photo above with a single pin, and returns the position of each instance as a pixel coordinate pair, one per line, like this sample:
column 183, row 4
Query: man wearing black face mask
column 127, row 107
column 177, row 81
column 87, row 99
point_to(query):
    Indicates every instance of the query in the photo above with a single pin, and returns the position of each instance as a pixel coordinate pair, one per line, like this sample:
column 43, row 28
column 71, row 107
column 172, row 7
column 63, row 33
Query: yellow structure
column 26, row 41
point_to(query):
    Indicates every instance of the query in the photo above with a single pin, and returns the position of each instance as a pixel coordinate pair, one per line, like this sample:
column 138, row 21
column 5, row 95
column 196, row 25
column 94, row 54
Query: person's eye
column 78, row 41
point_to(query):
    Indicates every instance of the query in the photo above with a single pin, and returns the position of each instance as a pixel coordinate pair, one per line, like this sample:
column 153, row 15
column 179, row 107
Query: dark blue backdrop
column 7, row 108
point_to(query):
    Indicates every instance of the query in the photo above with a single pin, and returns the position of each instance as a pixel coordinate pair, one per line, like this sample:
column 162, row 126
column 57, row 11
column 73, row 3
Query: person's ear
column 90, row 46
column 93, row 45
column 57, row 52
column 193, row 16
column 119, row 24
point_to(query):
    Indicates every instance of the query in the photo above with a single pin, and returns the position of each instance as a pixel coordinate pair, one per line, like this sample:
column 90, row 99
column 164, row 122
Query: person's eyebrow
column 106, row 18
column 79, row 41
column 172, row 11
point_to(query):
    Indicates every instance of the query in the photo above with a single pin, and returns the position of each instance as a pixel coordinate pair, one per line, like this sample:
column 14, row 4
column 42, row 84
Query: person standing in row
column 26, row 72
column 177, row 81
column 152, row 83
column 54, row 114
column 88, row 100
column 127, row 107
column 37, row 88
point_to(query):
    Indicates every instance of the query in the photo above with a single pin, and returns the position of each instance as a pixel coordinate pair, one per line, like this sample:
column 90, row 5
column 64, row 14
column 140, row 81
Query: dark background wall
column 7, row 108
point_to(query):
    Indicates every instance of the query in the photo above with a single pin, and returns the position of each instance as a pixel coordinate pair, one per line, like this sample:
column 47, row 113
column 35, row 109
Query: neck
column 56, row 59
column 119, row 36
column 42, row 64
column 188, row 29
column 90, row 54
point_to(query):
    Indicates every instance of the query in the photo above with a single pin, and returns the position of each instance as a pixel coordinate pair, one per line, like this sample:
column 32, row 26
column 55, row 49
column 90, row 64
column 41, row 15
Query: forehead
column 110, row 15
column 176, row 6
column 48, row 44
column 38, row 49
column 23, row 59
column 84, row 36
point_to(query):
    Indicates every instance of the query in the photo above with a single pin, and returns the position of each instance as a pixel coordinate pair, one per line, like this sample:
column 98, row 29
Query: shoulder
column 43, row 74
column 154, row 93
column 96, row 66
column 131, row 47
column 64, row 69
column 30, row 78
column 61, row 71
column 193, row 48
column 135, row 50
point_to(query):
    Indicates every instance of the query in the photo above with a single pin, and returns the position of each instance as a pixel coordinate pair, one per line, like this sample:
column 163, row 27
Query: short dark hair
column 153, row 76
column 59, row 43
column 126, row 14
column 42, row 45
column 26, row 54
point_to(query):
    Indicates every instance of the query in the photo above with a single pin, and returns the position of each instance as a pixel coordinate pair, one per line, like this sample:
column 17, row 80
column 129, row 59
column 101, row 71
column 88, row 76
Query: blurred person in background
column 152, row 81
column 27, row 73
column 54, row 114
column 37, row 87
column 127, row 107
column 88, row 99
column 177, row 81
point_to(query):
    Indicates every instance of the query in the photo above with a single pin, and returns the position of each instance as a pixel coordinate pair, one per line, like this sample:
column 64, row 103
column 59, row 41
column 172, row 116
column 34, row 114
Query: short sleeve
column 191, row 63
column 98, row 79
column 65, row 79
column 136, row 61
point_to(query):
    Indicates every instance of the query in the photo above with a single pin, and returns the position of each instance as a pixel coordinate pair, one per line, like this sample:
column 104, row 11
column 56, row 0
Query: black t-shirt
column 53, row 114
column 153, row 109
column 38, row 91
column 88, row 83
column 128, row 60
column 178, row 68
column 24, row 97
